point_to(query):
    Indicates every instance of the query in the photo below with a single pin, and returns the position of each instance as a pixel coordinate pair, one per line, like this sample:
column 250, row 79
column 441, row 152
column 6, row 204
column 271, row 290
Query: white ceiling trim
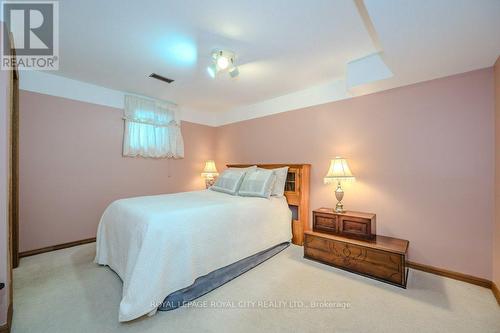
column 367, row 70
column 334, row 90
column 54, row 85
column 324, row 93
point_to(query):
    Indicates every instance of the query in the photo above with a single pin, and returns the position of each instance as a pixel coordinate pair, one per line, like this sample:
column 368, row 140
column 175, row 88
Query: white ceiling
column 427, row 39
column 284, row 46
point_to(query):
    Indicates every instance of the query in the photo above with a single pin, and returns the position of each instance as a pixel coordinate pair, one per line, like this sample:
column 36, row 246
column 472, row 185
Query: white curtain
column 152, row 129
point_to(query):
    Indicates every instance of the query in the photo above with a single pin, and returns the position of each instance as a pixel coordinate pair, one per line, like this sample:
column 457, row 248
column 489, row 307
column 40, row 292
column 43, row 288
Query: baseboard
column 496, row 292
column 6, row 328
column 55, row 247
column 452, row 275
column 421, row 267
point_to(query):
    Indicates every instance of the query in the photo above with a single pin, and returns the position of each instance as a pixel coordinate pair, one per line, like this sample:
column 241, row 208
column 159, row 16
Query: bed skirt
column 215, row 279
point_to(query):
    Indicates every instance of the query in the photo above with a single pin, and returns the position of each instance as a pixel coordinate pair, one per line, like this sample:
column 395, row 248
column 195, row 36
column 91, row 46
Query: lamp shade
column 338, row 171
column 210, row 170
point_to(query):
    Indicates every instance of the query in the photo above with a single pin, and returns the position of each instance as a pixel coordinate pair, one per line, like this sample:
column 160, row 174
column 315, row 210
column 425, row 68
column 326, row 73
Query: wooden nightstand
column 348, row 224
column 383, row 258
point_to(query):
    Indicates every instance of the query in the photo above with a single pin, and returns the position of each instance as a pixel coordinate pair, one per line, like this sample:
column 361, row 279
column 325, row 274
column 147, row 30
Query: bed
column 160, row 244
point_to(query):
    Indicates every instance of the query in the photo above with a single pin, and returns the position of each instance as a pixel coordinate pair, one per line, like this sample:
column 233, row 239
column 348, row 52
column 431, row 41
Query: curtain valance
column 152, row 128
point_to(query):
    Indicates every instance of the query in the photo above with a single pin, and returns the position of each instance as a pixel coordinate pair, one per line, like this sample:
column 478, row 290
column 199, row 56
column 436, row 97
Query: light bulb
column 222, row 62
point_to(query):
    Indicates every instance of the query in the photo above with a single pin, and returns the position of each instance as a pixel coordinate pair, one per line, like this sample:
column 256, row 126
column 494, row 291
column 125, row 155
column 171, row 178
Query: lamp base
column 339, row 194
column 209, row 182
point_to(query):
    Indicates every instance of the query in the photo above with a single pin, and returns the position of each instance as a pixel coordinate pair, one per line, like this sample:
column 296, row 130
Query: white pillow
column 229, row 181
column 279, row 184
column 257, row 183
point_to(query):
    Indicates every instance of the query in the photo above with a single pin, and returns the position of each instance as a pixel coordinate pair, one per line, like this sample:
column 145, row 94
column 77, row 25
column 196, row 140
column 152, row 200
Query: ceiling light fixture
column 223, row 61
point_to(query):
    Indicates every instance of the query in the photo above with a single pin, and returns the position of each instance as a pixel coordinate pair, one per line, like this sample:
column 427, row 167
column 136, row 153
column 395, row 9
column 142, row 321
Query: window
column 152, row 129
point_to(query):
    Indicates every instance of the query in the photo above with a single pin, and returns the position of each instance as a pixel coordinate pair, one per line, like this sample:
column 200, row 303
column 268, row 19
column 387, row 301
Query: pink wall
column 4, row 172
column 496, row 231
column 71, row 167
column 423, row 156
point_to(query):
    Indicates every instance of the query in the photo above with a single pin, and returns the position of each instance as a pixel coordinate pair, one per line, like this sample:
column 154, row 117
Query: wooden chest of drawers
column 383, row 258
column 348, row 224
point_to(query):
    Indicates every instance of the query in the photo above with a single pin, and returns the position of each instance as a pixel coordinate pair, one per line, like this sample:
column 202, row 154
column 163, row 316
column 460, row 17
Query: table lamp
column 337, row 172
column 209, row 173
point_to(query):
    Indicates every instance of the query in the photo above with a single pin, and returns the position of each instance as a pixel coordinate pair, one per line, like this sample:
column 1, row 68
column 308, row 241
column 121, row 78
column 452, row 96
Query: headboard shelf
column 296, row 193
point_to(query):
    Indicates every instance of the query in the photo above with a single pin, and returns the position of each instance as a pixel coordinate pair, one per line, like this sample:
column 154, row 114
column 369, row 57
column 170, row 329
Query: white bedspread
column 159, row 244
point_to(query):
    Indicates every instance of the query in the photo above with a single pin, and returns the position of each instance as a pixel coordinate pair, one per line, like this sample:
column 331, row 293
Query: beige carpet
column 64, row 291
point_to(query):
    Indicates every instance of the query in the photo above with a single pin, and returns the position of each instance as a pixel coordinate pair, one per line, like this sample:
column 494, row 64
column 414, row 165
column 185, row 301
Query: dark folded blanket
column 217, row 278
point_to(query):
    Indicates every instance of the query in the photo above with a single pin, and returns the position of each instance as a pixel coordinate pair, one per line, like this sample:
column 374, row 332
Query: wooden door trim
column 14, row 164
column 13, row 183
column 6, row 328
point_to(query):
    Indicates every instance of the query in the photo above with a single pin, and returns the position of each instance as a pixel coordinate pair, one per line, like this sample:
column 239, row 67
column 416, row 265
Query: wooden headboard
column 296, row 193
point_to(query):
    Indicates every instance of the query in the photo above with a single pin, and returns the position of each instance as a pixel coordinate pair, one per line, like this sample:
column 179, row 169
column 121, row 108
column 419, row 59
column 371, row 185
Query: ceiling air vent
column 161, row 78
